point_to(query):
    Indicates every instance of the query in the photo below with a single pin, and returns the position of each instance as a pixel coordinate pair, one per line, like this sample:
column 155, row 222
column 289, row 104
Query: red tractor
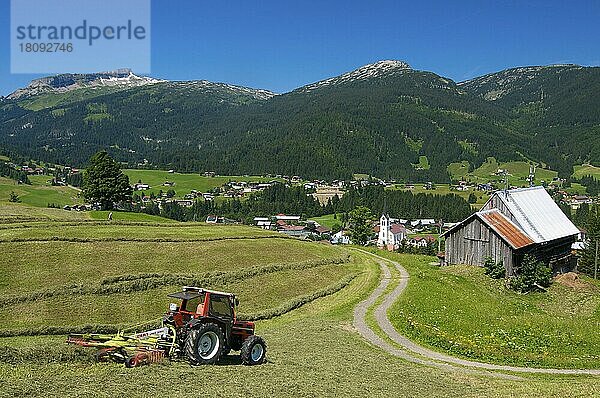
column 206, row 328
column 202, row 328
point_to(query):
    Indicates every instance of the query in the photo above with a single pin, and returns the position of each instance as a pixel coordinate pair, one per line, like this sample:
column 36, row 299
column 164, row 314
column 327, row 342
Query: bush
column 494, row 269
column 14, row 198
column 531, row 275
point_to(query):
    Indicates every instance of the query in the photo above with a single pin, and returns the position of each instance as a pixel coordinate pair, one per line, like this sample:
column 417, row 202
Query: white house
column 421, row 241
column 283, row 217
column 390, row 234
column 263, row 222
column 340, row 239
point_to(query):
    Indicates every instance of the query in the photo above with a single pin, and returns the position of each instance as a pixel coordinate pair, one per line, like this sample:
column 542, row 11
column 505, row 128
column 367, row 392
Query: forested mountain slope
column 379, row 119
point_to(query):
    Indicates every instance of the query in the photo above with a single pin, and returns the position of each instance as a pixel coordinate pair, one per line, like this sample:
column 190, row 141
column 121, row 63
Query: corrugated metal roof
column 507, row 230
column 537, row 214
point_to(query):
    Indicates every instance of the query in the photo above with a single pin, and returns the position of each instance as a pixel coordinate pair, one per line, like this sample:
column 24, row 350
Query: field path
column 425, row 355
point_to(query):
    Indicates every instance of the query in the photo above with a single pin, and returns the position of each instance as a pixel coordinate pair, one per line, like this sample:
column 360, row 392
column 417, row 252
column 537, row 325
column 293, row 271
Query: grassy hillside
column 184, row 183
column 587, row 170
column 444, row 189
column 18, row 212
column 57, row 99
column 460, row 310
column 39, row 193
column 517, row 172
column 313, row 352
column 328, row 220
column 99, row 268
column 126, row 216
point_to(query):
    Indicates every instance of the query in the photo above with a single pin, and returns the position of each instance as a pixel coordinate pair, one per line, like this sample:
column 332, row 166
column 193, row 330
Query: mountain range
column 382, row 119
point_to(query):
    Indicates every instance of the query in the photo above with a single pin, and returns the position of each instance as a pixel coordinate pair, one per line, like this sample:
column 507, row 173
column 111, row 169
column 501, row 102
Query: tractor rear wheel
column 204, row 345
column 254, row 351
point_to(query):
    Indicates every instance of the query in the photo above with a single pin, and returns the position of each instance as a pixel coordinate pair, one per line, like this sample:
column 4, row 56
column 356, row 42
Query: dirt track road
column 416, row 353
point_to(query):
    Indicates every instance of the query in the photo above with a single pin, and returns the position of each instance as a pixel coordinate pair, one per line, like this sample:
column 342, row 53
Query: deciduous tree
column 360, row 225
column 104, row 182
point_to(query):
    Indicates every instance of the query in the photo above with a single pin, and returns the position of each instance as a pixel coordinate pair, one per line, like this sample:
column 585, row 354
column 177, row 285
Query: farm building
column 510, row 225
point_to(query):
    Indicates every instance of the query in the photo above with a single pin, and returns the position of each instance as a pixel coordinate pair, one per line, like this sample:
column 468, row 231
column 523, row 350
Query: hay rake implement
column 130, row 349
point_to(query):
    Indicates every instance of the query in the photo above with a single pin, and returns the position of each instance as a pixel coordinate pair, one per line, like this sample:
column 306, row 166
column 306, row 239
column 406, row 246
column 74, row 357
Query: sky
column 281, row 45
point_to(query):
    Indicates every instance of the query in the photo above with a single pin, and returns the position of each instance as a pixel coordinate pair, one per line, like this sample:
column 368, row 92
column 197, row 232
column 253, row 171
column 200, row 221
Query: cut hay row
column 46, row 354
column 270, row 313
column 143, row 282
column 126, row 239
column 35, row 222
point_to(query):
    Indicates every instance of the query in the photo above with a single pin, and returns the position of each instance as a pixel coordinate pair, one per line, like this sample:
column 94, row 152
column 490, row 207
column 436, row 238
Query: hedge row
column 143, row 282
column 98, row 328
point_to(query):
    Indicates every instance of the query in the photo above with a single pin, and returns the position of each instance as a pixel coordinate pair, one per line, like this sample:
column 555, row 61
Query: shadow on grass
column 230, row 360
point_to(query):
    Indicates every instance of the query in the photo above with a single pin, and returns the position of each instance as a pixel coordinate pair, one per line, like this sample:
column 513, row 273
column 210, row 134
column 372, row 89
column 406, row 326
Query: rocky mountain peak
column 374, row 70
column 69, row 81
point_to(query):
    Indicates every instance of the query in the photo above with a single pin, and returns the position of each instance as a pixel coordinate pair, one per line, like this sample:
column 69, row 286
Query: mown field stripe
column 128, row 239
column 142, row 282
column 41, row 222
column 270, row 313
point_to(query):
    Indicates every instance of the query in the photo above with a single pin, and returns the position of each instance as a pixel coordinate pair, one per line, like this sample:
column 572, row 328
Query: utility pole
column 440, row 236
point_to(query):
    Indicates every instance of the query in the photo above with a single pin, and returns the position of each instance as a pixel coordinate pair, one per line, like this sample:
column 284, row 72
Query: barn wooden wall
column 473, row 242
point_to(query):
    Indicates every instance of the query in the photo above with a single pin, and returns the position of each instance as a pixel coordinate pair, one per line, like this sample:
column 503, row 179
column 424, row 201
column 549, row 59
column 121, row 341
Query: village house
column 578, row 200
column 213, row 219
column 298, row 231
column 421, row 241
column 510, row 225
column 287, row 219
column 184, row 202
column 422, row 224
column 340, row 238
column 322, row 231
column 263, row 222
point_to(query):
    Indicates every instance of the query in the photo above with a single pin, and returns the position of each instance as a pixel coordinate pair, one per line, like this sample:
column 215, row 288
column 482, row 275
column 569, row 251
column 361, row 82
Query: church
column 391, row 234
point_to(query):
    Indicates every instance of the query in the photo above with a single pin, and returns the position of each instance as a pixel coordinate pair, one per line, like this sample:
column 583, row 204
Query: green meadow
column 184, row 183
column 58, row 276
column 461, row 311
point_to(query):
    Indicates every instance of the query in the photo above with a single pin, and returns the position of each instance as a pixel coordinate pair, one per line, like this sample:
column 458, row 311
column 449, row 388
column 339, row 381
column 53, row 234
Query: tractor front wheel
column 254, row 351
column 204, row 345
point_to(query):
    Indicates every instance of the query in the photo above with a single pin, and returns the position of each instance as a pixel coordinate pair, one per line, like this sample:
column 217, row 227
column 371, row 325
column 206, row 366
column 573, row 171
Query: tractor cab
column 198, row 303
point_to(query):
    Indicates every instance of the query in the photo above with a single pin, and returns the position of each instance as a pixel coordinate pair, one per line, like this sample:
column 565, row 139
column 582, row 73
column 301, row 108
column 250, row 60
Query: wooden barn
column 510, row 225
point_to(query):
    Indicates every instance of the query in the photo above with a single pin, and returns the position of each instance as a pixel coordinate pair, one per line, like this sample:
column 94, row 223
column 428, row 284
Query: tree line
column 10, row 172
column 296, row 200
